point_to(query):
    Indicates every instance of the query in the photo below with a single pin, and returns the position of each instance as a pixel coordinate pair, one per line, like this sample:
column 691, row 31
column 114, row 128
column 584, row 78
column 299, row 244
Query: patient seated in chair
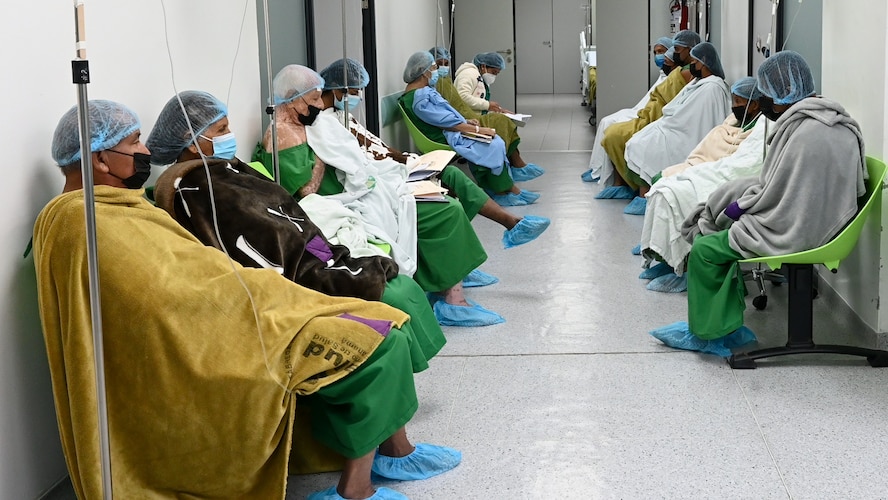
column 807, row 191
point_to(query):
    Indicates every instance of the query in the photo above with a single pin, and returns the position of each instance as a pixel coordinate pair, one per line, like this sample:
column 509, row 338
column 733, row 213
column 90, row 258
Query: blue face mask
column 224, row 146
column 433, row 80
column 353, row 102
column 443, row 71
column 659, row 59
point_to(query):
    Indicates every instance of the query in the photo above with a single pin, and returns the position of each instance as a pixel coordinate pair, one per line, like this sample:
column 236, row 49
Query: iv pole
column 270, row 110
column 344, row 68
column 80, row 76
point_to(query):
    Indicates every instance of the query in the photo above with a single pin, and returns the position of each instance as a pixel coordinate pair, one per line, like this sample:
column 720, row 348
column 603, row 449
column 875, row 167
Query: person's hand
column 496, row 108
column 734, row 211
column 488, row 131
column 473, row 121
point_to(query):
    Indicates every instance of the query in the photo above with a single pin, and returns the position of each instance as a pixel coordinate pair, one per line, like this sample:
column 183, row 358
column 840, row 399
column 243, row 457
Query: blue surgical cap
column 686, row 38
column 439, row 53
column 419, row 63
column 109, row 123
column 670, row 54
column 664, row 41
column 335, row 76
column 490, row 59
column 705, row 53
column 171, row 134
column 745, row 88
column 785, row 77
column 294, row 81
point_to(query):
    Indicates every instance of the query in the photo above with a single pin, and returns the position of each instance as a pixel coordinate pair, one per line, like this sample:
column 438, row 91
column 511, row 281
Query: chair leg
column 800, row 337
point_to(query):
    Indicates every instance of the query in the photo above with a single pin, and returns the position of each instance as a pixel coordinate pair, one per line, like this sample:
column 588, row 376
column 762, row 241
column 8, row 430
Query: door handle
column 508, row 52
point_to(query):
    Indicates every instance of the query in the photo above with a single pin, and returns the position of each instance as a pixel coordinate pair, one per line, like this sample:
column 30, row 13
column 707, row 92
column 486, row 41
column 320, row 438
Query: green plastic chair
column 423, row 143
column 800, row 273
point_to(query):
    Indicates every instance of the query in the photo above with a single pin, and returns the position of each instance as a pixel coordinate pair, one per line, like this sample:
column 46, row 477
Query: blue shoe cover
column 529, row 196
column 381, row 494
column 655, row 272
column 636, row 250
column 739, row 338
column 509, row 200
column 587, row 176
column 527, row 230
column 679, row 336
column 526, row 173
column 669, row 283
column 426, row 461
column 451, row 315
column 478, row 278
column 636, row 207
column 616, row 193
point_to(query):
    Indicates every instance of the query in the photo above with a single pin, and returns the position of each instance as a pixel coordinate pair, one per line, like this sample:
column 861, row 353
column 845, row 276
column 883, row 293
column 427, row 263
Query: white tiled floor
column 571, row 398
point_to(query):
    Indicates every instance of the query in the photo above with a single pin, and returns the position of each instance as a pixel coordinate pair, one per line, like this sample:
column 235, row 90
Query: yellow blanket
column 195, row 398
column 617, row 135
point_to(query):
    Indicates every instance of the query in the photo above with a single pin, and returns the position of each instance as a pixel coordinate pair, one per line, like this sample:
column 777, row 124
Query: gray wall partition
column 288, row 39
column 622, row 34
column 805, row 36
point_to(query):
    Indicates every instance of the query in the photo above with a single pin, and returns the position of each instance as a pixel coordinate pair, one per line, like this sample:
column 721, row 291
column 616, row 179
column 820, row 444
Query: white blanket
column 696, row 110
column 599, row 163
column 375, row 190
column 340, row 225
column 672, row 199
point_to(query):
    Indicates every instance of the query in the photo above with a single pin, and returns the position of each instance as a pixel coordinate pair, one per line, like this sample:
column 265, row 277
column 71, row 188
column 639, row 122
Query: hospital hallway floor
column 570, row 398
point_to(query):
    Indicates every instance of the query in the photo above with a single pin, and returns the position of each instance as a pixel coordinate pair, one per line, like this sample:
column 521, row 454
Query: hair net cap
column 294, row 81
column 109, row 123
column 785, row 77
column 439, row 53
column 670, row 54
column 490, row 59
column 664, row 41
column 707, row 54
column 686, row 38
column 745, row 88
column 171, row 133
column 335, row 76
column 419, row 63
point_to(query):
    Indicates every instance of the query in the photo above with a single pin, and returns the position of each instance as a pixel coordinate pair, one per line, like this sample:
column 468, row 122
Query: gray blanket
column 808, row 189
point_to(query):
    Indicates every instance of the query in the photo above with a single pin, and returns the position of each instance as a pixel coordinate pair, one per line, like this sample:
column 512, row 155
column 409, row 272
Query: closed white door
column 486, row 26
column 534, row 58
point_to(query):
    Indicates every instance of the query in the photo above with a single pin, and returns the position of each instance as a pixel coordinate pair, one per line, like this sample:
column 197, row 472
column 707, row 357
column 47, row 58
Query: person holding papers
column 440, row 122
column 317, row 155
column 470, row 95
column 344, row 84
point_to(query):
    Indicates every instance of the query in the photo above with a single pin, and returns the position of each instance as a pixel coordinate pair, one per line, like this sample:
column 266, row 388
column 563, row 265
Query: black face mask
column 142, row 164
column 668, row 69
column 679, row 62
column 739, row 113
column 308, row 119
column 695, row 72
column 766, row 105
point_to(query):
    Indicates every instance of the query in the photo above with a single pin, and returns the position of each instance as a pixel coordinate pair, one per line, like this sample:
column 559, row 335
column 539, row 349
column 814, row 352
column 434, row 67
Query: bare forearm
column 317, row 174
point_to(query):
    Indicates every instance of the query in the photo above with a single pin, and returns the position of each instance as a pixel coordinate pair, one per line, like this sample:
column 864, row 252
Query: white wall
column 402, row 28
column 128, row 61
column 855, row 38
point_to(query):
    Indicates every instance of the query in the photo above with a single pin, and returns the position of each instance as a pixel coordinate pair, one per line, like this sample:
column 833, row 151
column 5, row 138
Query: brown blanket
column 261, row 225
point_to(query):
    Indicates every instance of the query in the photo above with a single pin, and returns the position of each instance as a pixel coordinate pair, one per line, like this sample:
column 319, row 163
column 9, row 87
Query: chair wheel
column 592, row 120
column 760, row 302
